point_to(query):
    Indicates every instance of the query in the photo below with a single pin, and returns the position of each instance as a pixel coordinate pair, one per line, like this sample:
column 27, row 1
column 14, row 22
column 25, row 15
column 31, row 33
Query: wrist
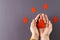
column 45, row 38
column 35, row 37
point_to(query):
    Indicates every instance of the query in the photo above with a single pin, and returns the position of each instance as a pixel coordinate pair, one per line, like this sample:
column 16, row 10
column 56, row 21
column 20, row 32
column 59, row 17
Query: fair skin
column 44, row 32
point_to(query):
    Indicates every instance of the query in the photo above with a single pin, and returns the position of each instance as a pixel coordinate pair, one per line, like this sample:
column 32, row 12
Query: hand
column 45, row 32
column 33, row 28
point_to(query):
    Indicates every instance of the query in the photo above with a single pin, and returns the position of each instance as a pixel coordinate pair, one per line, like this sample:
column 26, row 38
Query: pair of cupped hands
column 44, row 32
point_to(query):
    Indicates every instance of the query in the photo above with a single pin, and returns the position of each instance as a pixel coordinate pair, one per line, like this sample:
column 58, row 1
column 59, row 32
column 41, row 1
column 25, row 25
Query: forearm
column 45, row 38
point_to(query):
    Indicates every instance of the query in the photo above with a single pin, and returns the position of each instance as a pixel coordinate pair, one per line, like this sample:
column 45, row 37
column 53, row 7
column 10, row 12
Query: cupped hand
column 46, row 31
column 33, row 27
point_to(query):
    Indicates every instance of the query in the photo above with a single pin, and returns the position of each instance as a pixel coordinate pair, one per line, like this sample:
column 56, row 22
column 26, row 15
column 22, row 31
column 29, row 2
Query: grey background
column 13, row 11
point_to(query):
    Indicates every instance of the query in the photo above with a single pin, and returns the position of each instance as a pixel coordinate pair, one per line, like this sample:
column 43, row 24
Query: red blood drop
column 55, row 19
column 41, row 24
column 45, row 6
column 25, row 19
column 33, row 10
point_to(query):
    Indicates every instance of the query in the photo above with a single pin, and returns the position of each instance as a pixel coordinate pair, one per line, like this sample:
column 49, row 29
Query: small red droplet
column 55, row 19
column 45, row 6
column 25, row 19
column 41, row 24
column 33, row 9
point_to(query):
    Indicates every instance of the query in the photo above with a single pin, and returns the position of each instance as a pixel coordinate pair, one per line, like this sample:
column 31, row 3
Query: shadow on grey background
column 13, row 11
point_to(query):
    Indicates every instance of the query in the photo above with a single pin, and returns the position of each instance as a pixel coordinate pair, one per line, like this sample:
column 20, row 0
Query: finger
column 32, row 27
column 44, row 18
column 47, row 21
column 33, row 23
column 37, row 17
column 47, row 25
column 50, row 25
column 40, row 17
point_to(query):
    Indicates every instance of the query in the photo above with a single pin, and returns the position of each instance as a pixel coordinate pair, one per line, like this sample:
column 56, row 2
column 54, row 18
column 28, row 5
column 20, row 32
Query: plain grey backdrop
column 12, row 13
